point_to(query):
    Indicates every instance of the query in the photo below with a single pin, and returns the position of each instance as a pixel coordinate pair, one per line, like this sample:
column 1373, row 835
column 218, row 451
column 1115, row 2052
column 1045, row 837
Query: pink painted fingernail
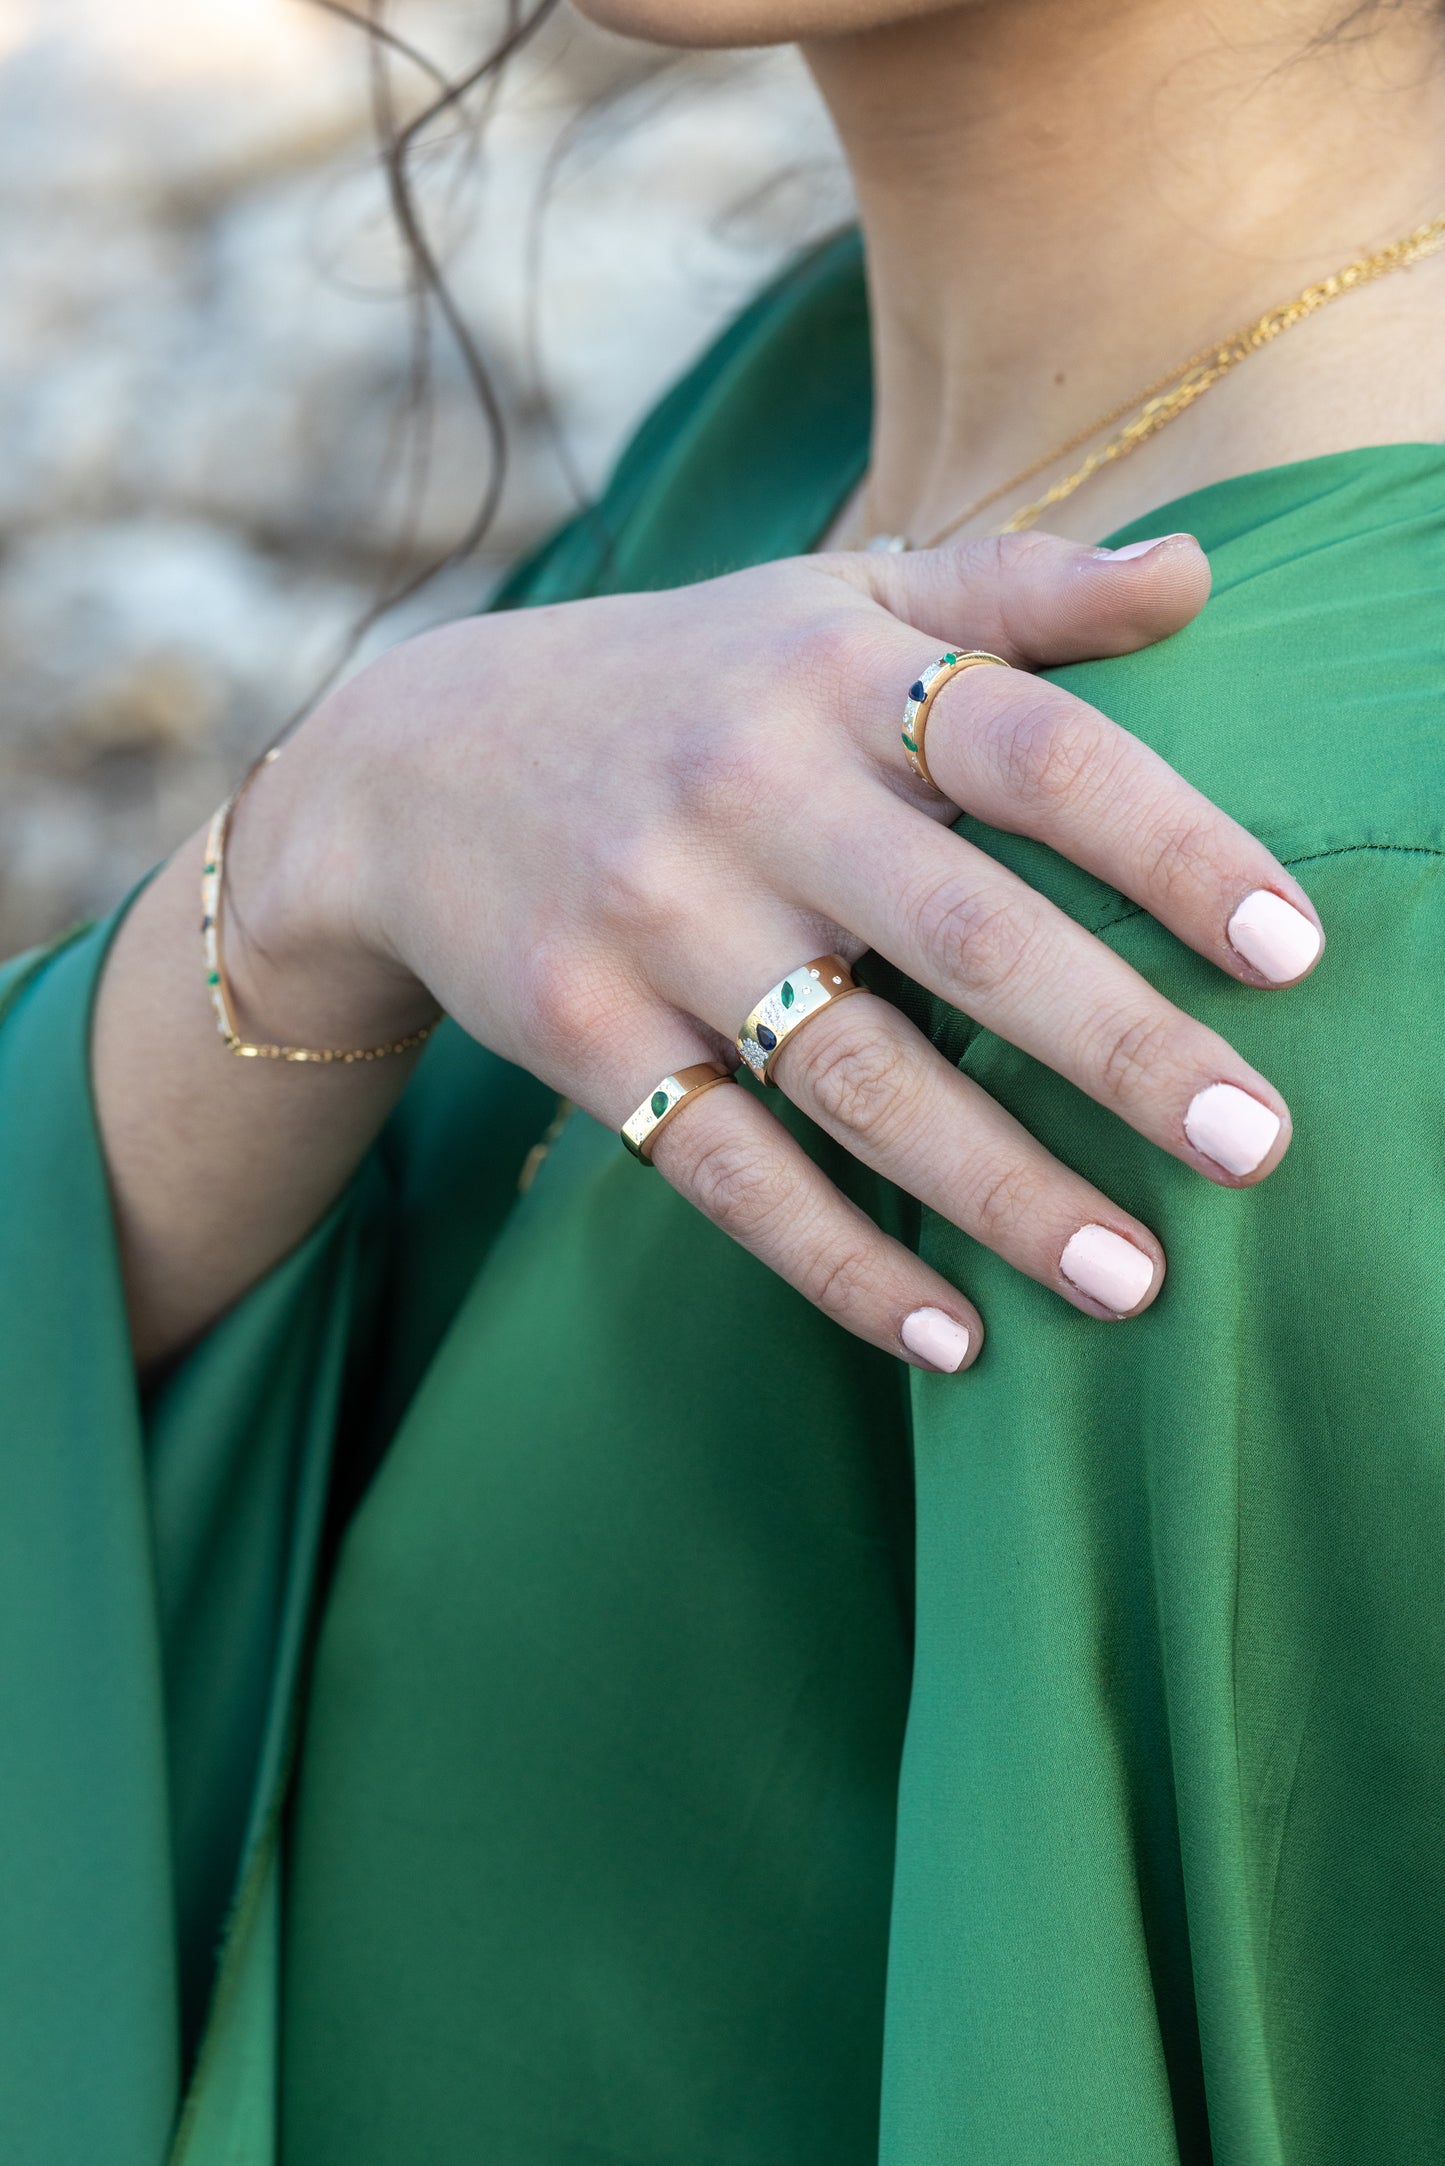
column 1140, row 548
column 935, row 1338
column 1230, row 1127
column 1279, row 940
column 1106, row 1267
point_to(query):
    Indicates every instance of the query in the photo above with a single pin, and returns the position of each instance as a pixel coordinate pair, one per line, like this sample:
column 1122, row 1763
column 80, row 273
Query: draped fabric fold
column 156, row 1578
column 716, row 1745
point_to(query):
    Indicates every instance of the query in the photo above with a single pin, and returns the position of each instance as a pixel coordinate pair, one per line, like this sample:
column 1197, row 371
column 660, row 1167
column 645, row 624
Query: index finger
column 1033, row 759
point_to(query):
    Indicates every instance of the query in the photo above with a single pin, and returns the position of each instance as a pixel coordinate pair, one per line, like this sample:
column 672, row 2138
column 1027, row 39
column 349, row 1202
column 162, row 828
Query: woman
column 636, row 1813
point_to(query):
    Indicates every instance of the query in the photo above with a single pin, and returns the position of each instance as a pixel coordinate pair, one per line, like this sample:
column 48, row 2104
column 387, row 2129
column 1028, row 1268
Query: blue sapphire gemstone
column 915, row 691
column 767, row 1039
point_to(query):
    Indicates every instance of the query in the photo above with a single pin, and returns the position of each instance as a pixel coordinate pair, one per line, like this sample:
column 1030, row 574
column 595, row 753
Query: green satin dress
column 711, row 1742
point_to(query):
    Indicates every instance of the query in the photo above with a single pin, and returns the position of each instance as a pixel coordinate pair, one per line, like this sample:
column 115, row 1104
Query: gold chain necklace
column 1170, row 395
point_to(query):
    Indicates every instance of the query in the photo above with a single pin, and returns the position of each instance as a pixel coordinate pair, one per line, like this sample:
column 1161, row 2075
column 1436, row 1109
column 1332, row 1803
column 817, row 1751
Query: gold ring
column 791, row 1002
column 639, row 1130
column 924, row 691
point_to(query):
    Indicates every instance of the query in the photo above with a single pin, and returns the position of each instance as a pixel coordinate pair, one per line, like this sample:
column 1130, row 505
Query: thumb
column 1037, row 599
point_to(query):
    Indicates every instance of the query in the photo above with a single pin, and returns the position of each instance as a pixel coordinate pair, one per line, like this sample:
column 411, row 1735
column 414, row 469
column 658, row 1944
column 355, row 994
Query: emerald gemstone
column 909, row 742
column 659, row 1102
column 949, row 660
column 786, row 994
column 213, row 977
column 209, row 868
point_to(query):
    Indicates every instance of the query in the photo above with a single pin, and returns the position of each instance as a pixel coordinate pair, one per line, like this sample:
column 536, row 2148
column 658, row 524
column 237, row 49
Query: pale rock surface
column 203, row 355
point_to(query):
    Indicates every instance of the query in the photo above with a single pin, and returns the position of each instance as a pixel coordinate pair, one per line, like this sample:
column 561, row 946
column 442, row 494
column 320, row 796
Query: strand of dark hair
column 428, row 295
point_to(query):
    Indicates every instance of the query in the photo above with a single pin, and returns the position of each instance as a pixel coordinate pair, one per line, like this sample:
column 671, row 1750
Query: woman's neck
column 1062, row 198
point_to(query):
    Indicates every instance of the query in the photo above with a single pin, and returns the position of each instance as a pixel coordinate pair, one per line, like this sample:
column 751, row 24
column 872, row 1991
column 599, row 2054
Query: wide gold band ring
column 640, row 1130
column 790, row 1003
column 924, row 691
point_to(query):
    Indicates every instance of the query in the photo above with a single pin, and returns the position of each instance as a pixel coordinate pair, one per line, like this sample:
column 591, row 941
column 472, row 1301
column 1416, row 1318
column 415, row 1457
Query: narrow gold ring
column 924, row 691
column 639, row 1131
column 791, row 1002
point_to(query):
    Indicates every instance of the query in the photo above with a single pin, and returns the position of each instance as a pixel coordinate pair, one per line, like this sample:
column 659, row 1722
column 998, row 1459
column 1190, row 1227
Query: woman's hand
column 598, row 832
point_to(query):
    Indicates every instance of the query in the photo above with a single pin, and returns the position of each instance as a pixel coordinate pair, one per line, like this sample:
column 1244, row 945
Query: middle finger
column 871, row 1079
column 979, row 937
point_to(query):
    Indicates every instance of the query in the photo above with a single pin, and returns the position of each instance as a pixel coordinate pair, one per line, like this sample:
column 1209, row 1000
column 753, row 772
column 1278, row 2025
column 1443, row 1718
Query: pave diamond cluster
column 917, row 694
column 790, row 1002
column 921, row 695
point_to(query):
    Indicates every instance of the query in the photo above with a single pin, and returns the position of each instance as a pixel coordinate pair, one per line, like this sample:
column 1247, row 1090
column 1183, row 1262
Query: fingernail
column 1140, row 548
column 1279, row 940
column 1230, row 1127
column 1106, row 1267
column 936, row 1339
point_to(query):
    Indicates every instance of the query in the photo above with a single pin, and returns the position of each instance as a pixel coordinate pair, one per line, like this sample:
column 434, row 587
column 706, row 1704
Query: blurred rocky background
column 204, row 362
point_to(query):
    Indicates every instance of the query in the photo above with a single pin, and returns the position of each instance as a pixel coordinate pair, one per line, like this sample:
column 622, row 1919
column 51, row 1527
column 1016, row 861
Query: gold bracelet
column 212, row 891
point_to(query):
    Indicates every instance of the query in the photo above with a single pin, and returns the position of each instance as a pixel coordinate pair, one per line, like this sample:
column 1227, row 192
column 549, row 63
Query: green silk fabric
column 713, row 1742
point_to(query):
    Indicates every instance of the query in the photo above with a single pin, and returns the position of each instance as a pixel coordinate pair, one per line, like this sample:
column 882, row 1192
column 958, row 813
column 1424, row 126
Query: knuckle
column 1002, row 1203
column 1009, row 570
column 1129, row 1053
column 974, row 938
column 1018, row 558
column 1182, row 856
column 822, row 645
column 735, row 1181
column 837, row 661
column 629, row 884
column 1000, row 561
column 839, row 1280
column 854, row 1078
column 1050, row 752
column 568, row 1004
column 725, row 772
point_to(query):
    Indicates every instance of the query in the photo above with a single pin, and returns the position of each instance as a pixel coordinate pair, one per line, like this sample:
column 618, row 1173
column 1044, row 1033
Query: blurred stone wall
column 204, row 358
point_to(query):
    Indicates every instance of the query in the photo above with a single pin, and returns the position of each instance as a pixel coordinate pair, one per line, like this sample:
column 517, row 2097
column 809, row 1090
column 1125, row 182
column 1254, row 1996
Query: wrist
column 301, row 966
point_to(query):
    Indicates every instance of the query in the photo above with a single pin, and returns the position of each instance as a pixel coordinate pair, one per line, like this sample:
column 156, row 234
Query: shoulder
column 1308, row 699
column 19, row 972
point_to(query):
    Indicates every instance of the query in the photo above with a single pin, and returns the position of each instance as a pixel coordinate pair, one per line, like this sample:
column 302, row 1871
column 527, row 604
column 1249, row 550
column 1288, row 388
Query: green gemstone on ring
column 949, row 660
column 786, row 994
column 659, row 1102
column 213, row 977
column 909, row 742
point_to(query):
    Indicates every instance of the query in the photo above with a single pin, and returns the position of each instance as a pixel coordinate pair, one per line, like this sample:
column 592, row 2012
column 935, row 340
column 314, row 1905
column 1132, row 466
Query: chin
column 751, row 22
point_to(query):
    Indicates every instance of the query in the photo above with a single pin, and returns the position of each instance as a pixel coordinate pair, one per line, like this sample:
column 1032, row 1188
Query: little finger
column 727, row 1155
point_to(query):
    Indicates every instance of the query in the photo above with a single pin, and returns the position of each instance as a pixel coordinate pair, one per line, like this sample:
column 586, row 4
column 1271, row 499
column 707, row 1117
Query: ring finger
column 873, row 1082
